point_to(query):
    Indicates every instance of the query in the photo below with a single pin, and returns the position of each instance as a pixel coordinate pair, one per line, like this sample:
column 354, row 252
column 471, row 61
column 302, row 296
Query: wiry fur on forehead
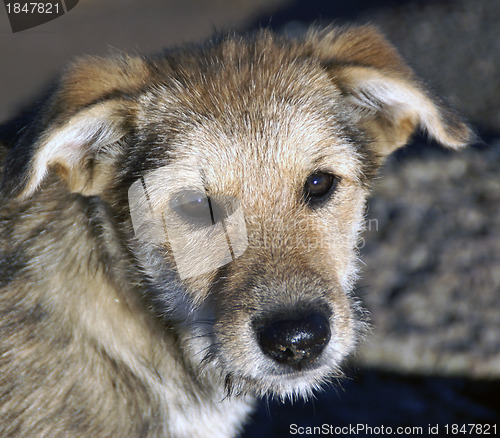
column 273, row 87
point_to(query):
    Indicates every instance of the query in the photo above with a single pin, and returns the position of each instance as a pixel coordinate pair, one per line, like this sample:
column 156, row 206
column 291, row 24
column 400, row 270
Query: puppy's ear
column 382, row 94
column 78, row 129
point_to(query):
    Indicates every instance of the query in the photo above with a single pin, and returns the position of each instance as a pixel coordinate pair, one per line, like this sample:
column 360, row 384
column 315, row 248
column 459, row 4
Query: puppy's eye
column 319, row 186
column 199, row 209
column 193, row 206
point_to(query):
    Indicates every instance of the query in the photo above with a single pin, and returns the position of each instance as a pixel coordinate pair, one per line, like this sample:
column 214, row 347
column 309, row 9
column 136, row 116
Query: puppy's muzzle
column 294, row 340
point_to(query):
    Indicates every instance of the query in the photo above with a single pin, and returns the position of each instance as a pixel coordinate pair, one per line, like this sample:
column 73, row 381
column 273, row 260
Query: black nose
column 296, row 341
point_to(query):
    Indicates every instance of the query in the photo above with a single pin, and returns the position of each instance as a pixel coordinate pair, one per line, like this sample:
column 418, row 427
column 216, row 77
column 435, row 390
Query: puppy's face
column 244, row 167
column 287, row 170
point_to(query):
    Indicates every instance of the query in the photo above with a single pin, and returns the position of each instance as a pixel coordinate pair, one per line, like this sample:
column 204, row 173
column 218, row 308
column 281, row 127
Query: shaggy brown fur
column 99, row 334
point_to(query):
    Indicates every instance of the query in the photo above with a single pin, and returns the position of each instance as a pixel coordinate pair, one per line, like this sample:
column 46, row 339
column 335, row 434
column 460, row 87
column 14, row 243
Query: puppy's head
column 239, row 172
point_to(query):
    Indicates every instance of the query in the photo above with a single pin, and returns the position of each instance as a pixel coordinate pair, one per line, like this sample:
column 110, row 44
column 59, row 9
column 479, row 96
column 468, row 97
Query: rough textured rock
column 432, row 254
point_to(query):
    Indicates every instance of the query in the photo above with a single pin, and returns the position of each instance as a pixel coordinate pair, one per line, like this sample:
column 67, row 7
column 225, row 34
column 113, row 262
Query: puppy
column 178, row 232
